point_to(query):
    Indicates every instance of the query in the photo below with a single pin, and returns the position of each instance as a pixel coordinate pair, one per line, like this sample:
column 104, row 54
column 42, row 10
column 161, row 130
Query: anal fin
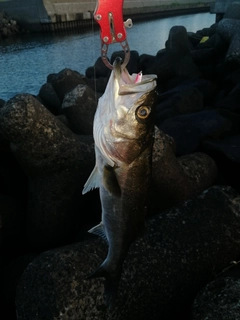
column 99, row 231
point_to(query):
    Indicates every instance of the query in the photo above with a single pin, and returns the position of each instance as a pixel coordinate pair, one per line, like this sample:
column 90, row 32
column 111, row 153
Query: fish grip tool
column 108, row 14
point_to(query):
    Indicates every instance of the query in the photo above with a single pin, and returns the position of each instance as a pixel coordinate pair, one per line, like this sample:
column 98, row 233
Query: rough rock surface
column 176, row 60
column 162, row 272
column 79, row 106
column 219, row 300
column 56, row 162
column 178, row 178
column 9, row 26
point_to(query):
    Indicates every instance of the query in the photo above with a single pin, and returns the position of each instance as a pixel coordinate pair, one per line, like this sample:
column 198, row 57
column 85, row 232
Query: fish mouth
column 137, row 82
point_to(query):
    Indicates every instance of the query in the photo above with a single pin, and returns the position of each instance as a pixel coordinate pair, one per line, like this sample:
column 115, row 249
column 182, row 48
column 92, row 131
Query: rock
column 162, row 273
column 57, row 163
column 178, row 179
column 98, row 70
column 177, row 60
column 233, row 10
column 145, row 61
column 12, row 224
column 13, row 178
column 189, row 130
column 65, row 81
column 194, row 38
column 79, row 106
column 228, row 29
column 0, row 236
column 98, row 85
column 50, row 99
column 228, row 146
column 218, row 300
column 2, row 102
column 230, row 102
column 8, row 26
column 208, row 31
column 225, row 152
column 133, row 65
column 11, row 273
column 184, row 102
column 205, row 87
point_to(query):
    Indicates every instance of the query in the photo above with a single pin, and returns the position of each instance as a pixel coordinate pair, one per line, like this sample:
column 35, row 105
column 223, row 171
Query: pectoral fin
column 110, row 181
column 93, row 181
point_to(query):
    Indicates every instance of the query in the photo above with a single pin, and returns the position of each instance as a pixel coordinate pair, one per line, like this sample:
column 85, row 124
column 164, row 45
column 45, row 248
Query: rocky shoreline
column 9, row 26
column 186, row 266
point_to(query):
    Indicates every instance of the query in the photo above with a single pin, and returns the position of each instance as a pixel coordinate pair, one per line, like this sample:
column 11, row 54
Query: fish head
column 124, row 119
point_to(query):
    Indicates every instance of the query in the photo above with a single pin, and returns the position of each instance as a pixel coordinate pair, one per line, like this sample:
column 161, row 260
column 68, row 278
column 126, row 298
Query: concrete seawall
column 37, row 15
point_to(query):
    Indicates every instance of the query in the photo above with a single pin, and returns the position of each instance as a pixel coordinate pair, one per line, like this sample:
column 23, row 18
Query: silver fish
column 123, row 132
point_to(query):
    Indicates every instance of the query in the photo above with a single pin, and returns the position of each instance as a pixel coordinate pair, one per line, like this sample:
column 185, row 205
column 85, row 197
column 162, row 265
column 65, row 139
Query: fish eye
column 143, row 112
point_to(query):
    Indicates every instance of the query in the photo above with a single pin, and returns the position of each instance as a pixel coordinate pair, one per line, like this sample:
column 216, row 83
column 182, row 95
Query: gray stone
column 176, row 61
column 162, row 273
column 228, row 29
column 79, row 106
column 65, row 81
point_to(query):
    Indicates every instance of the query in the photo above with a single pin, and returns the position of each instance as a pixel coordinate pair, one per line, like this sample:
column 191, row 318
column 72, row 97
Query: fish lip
column 117, row 67
column 125, row 80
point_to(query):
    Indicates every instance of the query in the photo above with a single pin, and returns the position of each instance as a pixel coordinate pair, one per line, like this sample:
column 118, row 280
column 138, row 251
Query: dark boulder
column 65, row 81
column 231, row 101
column 183, row 102
column 162, row 273
column 226, row 154
column 229, row 146
column 178, row 179
column 57, row 163
column 176, row 60
column 98, row 70
column 228, row 29
column 133, row 64
column 189, row 130
column 218, row 300
column 50, row 99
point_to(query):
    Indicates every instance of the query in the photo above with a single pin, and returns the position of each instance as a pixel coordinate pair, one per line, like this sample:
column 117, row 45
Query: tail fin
column 111, row 283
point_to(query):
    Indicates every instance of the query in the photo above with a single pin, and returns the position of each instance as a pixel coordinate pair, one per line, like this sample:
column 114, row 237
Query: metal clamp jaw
column 108, row 15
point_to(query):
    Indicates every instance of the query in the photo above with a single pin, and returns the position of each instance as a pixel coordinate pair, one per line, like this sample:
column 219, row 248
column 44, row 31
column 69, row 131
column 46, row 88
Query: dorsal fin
column 99, row 231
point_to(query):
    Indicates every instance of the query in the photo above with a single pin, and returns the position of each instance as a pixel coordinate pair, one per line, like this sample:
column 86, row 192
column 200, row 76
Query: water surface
column 27, row 60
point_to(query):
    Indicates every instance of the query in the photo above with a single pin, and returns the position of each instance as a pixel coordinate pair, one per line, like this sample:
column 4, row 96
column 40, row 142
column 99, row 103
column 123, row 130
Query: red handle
column 109, row 16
